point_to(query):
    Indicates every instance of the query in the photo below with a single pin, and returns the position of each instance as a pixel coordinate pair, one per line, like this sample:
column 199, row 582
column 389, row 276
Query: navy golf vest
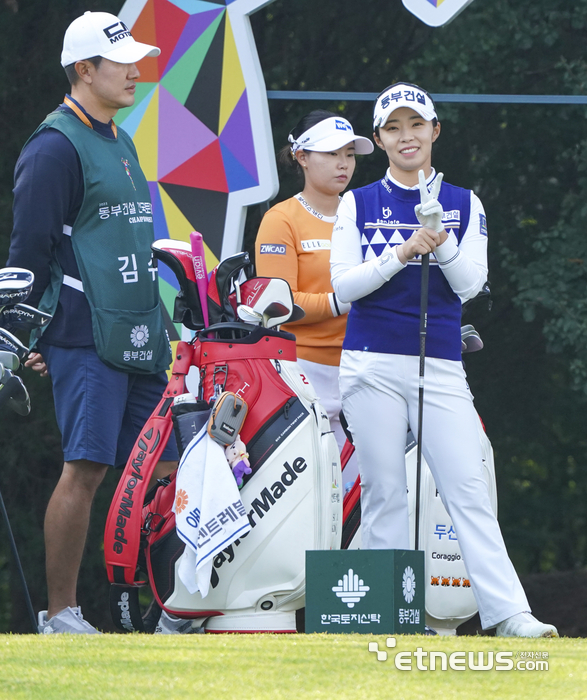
column 388, row 319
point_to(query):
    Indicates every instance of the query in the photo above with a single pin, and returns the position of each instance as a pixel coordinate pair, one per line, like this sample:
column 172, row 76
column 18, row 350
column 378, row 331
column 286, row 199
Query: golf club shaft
column 19, row 567
column 423, row 328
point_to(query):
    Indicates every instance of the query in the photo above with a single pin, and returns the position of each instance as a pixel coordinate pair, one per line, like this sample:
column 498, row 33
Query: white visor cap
column 102, row 34
column 403, row 95
column 330, row 135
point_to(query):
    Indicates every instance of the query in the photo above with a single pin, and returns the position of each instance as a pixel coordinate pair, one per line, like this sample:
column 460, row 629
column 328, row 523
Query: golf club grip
column 423, row 329
column 199, row 258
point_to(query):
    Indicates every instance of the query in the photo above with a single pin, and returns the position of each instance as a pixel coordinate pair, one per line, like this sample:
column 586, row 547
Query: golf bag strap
column 125, row 609
column 270, row 348
column 123, row 525
column 347, row 452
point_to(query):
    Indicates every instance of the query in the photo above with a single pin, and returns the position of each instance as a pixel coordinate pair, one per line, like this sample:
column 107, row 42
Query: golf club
column 15, row 285
column 248, row 315
column 274, row 314
column 470, row 339
column 423, row 329
column 8, row 390
column 11, row 343
column 13, row 393
column 23, row 317
column 9, row 360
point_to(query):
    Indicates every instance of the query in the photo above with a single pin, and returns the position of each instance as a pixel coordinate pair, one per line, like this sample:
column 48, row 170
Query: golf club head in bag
column 267, row 301
column 15, row 285
column 13, row 393
column 9, row 360
column 23, row 317
column 177, row 255
column 470, row 339
column 11, row 343
column 220, row 284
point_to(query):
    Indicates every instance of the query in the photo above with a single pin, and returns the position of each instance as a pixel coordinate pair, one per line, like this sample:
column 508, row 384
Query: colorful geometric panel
column 204, row 97
column 174, row 119
column 204, row 209
column 436, row 3
column 193, row 30
column 237, row 137
column 192, row 121
column 180, row 77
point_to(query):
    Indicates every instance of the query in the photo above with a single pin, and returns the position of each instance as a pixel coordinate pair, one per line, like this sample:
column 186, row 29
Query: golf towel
column 209, row 514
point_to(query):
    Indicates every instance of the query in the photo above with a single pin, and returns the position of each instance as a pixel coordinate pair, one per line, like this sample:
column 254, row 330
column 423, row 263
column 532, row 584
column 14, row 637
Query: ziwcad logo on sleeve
column 422, row 660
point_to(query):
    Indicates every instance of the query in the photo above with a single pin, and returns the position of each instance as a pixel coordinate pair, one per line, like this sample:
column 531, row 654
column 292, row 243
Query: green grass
column 270, row 667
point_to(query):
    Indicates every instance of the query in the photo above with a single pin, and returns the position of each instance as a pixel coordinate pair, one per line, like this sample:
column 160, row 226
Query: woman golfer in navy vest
column 381, row 232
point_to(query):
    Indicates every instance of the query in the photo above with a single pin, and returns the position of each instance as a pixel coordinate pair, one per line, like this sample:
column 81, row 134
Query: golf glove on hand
column 429, row 211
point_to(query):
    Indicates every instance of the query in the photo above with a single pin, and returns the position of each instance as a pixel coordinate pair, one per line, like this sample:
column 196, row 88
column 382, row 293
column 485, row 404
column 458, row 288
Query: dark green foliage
column 528, row 164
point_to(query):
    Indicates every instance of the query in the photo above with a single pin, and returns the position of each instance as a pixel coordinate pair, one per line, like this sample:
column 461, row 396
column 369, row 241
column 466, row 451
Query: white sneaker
column 68, row 621
column 169, row 624
column 524, row 625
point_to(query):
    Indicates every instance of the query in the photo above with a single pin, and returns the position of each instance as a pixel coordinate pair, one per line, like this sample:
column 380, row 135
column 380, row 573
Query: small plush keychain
column 237, row 457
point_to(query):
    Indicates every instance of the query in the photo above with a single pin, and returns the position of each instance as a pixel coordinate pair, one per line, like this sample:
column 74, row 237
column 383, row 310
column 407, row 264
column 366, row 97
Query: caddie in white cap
column 83, row 223
column 102, row 34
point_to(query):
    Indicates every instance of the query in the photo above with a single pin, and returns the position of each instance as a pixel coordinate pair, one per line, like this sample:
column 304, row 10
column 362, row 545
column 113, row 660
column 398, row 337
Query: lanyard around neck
column 83, row 117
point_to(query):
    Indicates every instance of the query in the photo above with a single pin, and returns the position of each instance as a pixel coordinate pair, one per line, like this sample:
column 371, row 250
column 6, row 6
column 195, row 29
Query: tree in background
column 526, row 162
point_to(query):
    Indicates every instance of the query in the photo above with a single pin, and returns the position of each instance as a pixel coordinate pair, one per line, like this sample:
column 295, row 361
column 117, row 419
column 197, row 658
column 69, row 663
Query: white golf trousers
column 380, row 400
column 324, row 379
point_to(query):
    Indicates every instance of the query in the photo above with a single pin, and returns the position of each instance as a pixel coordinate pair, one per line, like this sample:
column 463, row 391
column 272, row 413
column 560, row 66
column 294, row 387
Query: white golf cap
column 330, row 135
column 403, row 95
column 102, row 34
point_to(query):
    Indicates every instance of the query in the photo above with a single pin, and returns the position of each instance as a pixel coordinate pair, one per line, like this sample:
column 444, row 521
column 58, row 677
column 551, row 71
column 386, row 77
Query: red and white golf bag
column 292, row 497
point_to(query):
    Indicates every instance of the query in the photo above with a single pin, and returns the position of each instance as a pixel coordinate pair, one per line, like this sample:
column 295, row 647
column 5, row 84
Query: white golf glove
column 429, row 211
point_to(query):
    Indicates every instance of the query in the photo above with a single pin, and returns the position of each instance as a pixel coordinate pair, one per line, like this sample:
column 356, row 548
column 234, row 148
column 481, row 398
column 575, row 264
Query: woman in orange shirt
column 294, row 243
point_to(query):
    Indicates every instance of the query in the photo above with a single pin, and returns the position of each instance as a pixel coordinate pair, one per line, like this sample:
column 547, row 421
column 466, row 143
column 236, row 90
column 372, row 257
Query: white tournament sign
column 435, row 13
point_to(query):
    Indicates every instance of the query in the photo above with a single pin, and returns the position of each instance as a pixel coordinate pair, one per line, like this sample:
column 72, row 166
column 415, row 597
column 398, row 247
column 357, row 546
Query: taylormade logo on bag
column 124, row 606
column 266, row 499
column 260, row 506
column 127, row 501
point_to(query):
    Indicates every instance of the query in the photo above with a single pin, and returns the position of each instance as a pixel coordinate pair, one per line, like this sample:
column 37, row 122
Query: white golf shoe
column 524, row 625
column 169, row 624
column 67, row 621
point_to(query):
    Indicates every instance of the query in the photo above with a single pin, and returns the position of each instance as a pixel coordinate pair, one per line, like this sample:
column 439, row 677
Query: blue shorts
column 100, row 411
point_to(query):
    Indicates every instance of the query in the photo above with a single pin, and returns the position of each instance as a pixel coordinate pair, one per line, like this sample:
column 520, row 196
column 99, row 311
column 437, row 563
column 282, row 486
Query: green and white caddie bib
column 111, row 239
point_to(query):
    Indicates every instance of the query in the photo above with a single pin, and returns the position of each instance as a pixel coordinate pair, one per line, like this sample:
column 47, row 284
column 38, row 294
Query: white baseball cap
column 330, row 135
column 403, row 95
column 102, row 34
